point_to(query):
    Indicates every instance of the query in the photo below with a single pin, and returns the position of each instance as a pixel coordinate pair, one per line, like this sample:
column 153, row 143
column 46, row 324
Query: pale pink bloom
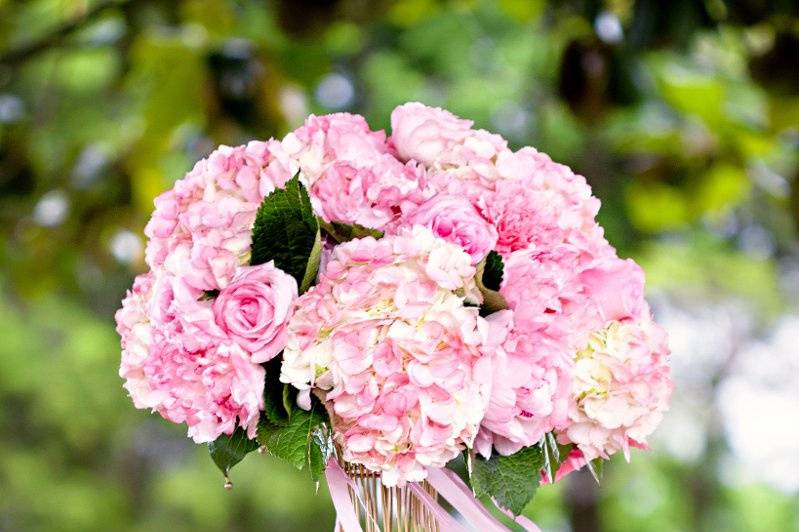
column 349, row 173
column 532, row 372
column 616, row 288
column 621, row 388
column 540, row 203
column 324, row 140
column 441, row 141
column 254, row 309
column 373, row 196
column 405, row 365
column 174, row 363
column 456, row 220
column 201, row 230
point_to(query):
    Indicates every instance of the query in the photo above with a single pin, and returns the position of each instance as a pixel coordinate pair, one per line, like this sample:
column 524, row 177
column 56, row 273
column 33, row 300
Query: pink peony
column 254, row 309
column 456, row 220
column 402, row 361
column 620, row 390
column 172, row 365
column 201, row 229
column 532, row 372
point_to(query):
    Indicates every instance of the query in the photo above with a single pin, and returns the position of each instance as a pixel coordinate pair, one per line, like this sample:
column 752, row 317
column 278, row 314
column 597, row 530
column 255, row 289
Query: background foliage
column 684, row 115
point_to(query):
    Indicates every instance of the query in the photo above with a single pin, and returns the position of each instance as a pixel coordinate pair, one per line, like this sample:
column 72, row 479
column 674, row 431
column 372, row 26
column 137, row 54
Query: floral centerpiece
column 371, row 308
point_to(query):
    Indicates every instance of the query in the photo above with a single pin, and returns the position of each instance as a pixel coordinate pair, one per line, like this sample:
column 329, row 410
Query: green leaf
column 554, row 454
column 341, row 232
column 287, row 232
column 489, row 278
column 596, row 467
column 209, row 295
column 295, row 442
column 493, row 270
column 279, row 401
column 227, row 451
column 510, row 480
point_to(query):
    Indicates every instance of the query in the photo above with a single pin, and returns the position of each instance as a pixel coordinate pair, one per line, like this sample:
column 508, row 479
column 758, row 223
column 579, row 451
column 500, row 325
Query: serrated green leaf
column 287, row 232
column 227, row 451
column 490, row 271
column 510, row 480
column 341, row 232
column 294, row 442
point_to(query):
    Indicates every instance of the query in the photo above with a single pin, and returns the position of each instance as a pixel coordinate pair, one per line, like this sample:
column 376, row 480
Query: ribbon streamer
column 453, row 489
column 445, row 520
column 338, row 482
column 446, row 482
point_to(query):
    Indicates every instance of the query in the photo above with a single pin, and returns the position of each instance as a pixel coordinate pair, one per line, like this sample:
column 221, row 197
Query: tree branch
column 58, row 34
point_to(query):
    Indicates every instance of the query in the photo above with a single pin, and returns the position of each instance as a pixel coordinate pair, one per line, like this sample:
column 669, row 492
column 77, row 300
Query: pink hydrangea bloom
column 201, row 229
column 456, row 220
column 621, row 388
column 172, row 364
column 255, row 308
column 323, row 140
column 443, row 142
column 349, row 173
column 540, row 203
column 399, row 356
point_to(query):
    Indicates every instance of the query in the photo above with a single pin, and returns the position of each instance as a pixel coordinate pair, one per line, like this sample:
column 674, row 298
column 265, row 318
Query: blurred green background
column 684, row 116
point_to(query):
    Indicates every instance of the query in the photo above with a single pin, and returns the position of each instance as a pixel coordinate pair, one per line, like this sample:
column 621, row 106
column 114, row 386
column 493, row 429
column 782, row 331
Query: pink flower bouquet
column 395, row 303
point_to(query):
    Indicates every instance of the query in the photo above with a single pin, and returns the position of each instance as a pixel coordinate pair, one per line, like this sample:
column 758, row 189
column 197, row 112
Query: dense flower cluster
column 194, row 360
column 390, row 337
column 397, row 353
column 175, row 363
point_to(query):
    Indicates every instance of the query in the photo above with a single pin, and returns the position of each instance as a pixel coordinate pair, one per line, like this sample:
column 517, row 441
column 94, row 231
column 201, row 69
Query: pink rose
column 254, row 309
column 456, row 220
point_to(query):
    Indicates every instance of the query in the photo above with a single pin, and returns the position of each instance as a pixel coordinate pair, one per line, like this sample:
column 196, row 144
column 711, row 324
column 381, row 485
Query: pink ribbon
column 445, row 482
column 453, row 489
column 445, row 520
column 337, row 483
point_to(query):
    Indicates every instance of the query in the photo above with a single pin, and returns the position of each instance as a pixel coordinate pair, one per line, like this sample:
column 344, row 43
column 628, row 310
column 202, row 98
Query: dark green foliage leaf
column 287, row 232
column 510, row 480
column 489, row 278
column 341, row 232
column 295, row 442
column 277, row 405
column 227, row 451
column 209, row 295
column 492, row 273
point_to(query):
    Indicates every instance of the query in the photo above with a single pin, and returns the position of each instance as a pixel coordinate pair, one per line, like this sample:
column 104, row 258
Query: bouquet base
column 383, row 509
